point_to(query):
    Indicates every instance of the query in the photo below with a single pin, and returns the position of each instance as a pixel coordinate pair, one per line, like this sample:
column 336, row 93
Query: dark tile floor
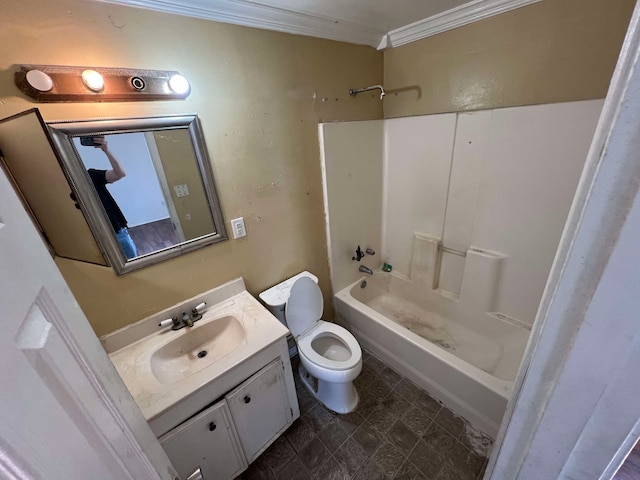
column 397, row 432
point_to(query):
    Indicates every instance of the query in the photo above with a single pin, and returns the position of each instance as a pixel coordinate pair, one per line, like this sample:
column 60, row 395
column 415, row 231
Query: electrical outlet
column 237, row 225
column 181, row 190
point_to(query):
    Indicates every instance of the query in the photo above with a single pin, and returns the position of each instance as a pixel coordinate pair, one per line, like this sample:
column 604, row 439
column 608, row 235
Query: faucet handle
column 166, row 323
column 196, row 314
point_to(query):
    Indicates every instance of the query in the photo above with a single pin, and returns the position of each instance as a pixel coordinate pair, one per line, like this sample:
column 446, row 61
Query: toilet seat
column 341, row 335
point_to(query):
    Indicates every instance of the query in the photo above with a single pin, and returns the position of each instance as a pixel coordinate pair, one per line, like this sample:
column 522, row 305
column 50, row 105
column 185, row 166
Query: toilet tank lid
column 279, row 294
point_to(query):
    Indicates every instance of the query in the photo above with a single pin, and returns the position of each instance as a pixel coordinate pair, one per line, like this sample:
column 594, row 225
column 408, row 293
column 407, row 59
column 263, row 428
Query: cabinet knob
column 212, row 427
column 247, row 399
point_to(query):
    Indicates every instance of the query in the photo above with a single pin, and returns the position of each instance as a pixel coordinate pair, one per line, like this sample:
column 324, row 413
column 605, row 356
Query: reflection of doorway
column 162, row 179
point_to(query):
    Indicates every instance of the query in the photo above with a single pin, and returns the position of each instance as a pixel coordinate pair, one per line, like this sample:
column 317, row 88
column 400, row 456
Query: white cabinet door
column 207, row 442
column 260, row 409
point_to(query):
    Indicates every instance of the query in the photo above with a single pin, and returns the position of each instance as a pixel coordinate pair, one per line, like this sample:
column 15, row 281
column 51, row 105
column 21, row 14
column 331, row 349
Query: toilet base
column 339, row 397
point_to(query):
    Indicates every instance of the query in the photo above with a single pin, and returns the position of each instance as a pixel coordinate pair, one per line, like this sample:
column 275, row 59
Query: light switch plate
column 237, row 225
column 181, row 190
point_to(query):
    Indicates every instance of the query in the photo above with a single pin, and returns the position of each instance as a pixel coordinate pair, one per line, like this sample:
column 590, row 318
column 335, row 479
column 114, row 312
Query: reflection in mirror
column 145, row 185
column 133, row 184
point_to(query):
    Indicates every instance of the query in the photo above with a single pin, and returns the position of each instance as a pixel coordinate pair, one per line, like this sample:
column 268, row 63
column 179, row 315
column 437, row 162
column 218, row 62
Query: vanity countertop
column 131, row 349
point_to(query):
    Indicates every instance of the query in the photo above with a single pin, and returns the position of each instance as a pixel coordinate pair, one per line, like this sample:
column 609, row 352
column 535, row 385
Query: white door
column 64, row 411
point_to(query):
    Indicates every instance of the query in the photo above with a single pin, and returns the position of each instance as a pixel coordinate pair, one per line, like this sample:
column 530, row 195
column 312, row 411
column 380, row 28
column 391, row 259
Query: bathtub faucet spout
column 366, row 270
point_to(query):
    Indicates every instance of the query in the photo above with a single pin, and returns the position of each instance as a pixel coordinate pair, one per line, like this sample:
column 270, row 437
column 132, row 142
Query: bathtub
column 466, row 360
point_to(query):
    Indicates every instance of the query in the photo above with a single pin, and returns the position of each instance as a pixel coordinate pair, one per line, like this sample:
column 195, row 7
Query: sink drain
column 202, row 354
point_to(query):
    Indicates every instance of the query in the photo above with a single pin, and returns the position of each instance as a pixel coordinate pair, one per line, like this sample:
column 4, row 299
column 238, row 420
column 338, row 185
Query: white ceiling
column 378, row 23
column 380, row 15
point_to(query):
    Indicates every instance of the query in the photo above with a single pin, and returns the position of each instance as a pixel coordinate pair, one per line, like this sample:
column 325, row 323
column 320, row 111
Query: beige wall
column 551, row 51
column 259, row 95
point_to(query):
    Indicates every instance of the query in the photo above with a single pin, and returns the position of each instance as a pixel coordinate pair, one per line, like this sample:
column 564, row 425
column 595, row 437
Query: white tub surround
column 497, row 180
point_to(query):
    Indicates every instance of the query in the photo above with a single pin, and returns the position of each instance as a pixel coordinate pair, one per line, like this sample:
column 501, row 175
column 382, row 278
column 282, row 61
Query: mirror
column 145, row 186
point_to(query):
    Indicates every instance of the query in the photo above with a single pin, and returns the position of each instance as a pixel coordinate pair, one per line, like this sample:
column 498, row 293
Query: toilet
column 330, row 356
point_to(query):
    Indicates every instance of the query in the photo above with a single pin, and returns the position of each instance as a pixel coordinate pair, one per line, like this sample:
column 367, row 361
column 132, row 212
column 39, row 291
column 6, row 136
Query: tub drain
column 202, row 353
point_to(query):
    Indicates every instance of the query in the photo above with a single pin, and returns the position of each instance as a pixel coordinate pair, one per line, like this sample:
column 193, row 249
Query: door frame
column 164, row 184
column 573, row 412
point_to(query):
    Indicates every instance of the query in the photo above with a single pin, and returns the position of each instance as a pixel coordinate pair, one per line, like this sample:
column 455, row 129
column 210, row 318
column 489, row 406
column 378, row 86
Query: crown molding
column 454, row 18
column 268, row 17
column 249, row 14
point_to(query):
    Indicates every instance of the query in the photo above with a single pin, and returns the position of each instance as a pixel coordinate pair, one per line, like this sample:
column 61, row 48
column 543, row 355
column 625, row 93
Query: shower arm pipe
column 354, row 91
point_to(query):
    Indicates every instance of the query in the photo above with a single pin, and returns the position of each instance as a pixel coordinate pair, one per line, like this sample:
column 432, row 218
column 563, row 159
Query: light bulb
column 39, row 80
column 93, row 80
column 179, row 84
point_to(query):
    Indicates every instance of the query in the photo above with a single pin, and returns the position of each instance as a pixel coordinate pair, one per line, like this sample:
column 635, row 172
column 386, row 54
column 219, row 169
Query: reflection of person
column 100, row 179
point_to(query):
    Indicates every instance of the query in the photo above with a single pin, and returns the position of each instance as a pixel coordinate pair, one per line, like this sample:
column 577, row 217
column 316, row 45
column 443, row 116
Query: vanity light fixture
column 179, row 84
column 39, row 80
column 57, row 83
column 93, row 80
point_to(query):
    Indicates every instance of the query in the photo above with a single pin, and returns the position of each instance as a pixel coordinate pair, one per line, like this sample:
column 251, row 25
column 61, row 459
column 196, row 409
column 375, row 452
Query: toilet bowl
column 330, row 356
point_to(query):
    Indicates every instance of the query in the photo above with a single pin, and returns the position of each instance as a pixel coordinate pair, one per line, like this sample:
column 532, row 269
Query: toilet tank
column 275, row 298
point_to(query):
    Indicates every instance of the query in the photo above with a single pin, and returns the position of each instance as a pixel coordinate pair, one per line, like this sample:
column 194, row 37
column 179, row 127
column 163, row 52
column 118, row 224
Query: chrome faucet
column 187, row 319
column 364, row 269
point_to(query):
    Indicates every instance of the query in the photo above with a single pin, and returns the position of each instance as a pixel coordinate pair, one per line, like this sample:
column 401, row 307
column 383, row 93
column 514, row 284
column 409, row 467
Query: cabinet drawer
column 260, row 409
column 209, row 442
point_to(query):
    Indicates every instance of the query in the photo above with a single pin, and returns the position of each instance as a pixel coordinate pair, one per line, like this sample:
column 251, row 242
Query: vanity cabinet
column 223, row 439
column 248, row 393
column 207, row 442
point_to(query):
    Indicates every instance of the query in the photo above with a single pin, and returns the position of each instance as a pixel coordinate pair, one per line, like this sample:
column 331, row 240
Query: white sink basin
column 197, row 348
column 163, row 367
